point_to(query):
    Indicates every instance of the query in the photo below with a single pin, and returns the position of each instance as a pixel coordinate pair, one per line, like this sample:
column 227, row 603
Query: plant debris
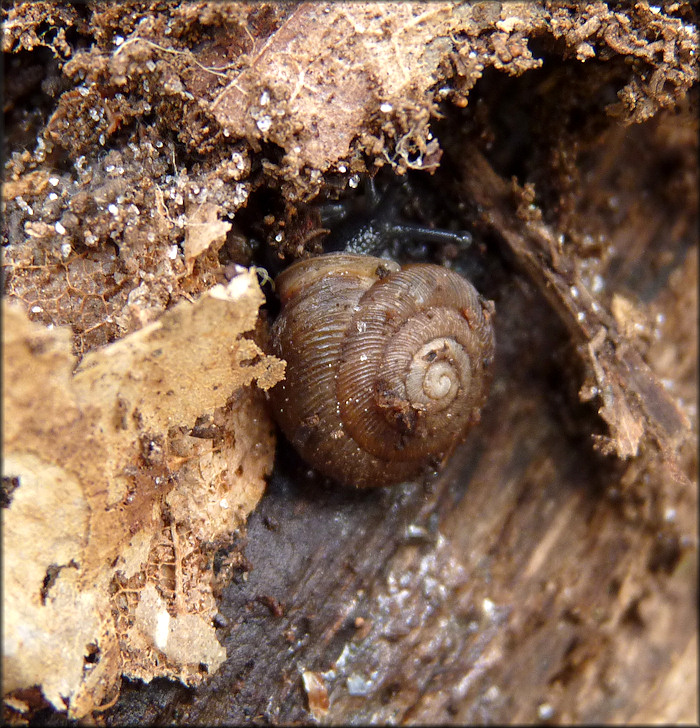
column 634, row 404
column 117, row 507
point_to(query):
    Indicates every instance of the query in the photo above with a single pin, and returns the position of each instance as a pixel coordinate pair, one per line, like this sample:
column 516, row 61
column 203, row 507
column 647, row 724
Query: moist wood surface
column 531, row 581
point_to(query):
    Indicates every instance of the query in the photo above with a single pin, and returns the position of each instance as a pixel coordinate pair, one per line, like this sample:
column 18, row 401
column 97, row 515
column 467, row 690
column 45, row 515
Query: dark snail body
column 387, row 367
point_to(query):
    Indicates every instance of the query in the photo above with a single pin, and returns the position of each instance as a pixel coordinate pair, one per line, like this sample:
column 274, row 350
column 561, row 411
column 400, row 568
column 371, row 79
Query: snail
column 388, row 367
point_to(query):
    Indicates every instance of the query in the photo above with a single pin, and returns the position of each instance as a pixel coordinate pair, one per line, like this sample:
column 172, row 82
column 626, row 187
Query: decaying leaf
column 119, row 498
column 379, row 66
column 204, row 231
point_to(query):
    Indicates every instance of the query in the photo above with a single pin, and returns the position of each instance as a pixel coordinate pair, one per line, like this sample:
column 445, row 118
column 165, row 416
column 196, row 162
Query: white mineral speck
column 162, row 630
column 264, row 123
column 492, row 693
column 545, row 711
column 172, row 252
column 59, row 228
column 358, row 685
column 113, row 209
column 53, row 181
column 240, row 194
column 66, row 249
column 386, row 107
column 264, row 98
column 36, row 309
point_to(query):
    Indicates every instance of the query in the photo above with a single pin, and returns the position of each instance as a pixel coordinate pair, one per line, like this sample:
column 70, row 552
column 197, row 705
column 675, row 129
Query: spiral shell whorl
column 386, row 367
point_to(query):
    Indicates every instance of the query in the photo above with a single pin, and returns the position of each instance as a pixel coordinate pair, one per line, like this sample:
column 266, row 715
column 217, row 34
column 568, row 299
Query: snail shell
column 387, row 367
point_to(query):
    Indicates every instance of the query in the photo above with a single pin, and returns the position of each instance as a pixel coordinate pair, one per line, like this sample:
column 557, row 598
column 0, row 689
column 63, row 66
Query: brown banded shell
column 387, row 366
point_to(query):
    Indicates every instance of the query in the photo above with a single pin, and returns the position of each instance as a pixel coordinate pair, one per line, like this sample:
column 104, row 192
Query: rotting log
column 537, row 579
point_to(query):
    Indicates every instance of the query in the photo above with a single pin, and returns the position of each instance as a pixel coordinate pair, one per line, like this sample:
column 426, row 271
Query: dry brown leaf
column 349, row 57
column 116, row 494
column 204, row 231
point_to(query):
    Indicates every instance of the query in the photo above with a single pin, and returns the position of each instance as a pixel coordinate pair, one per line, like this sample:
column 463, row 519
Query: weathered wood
column 525, row 584
column 635, row 405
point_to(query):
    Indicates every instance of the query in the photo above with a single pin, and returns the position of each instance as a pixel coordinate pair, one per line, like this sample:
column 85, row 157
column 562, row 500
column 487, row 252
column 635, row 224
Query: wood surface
column 531, row 581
